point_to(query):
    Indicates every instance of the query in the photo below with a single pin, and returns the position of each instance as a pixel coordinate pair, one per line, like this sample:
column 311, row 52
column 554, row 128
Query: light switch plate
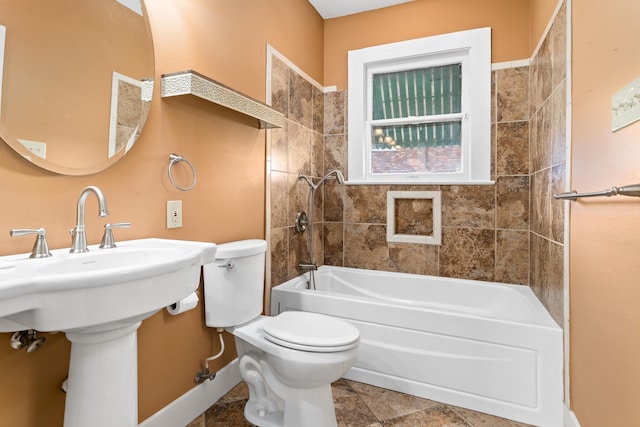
column 625, row 105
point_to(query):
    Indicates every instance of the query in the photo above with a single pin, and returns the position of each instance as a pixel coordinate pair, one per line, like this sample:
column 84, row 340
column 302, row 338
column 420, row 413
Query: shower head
column 334, row 174
column 307, row 180
column 339, row 176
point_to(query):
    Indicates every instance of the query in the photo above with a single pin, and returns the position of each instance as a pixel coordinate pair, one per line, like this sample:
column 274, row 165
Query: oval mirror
column 77, row 79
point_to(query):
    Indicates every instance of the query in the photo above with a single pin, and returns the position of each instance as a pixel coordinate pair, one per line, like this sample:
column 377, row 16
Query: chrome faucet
column 40, row 247
column 78, row 233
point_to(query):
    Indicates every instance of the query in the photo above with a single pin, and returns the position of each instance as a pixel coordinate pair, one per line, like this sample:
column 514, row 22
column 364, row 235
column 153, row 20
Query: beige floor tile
column 478, row 419
column 342, row 388
column 362, row 405
column 227, row 414
column 440, row 416
column 239, row 392
column 352, row 412
column 387, row 404
column 198, row 422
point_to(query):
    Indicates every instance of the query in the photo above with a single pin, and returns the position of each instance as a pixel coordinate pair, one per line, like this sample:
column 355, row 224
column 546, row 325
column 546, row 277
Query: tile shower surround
column 510, row 232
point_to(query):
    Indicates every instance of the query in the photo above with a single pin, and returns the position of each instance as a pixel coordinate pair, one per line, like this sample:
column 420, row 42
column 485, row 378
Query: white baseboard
column 570, row 419
column 196, row 401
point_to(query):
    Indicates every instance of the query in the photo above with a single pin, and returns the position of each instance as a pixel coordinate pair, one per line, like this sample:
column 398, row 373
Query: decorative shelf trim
column 193, row 83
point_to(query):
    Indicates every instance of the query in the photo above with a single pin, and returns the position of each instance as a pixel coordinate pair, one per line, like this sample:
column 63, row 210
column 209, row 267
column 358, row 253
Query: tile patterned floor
column 363, row 405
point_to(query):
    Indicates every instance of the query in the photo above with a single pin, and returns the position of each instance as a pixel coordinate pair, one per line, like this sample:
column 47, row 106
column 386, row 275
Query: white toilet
column 288, row 361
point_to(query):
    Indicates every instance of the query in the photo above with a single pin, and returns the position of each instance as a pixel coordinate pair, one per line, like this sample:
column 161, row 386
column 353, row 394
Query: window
column 419, row 110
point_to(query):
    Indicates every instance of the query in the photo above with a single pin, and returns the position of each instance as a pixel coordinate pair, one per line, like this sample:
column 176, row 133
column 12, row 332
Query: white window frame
column 472, row 49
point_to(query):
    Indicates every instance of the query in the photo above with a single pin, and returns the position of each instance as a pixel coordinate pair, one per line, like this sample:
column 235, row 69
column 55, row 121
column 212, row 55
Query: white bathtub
column 485, row 346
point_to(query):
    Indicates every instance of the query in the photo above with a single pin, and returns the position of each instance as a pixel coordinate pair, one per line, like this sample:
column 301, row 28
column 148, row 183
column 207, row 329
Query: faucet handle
column 40, row 247
column 108, row 242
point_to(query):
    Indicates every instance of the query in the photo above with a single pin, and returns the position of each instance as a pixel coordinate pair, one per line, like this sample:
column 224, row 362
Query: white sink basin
column 99, row 299
column 99, row 288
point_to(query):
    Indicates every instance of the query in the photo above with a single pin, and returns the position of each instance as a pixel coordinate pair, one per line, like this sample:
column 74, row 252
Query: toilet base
column 274, row 404
column 273, row 419
column 304, row 408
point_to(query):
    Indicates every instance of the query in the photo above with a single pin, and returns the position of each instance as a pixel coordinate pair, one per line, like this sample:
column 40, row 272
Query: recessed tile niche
column 414, row 217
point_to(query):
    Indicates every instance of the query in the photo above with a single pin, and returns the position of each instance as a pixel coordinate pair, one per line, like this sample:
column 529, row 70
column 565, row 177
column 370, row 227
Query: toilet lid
column 310, row 332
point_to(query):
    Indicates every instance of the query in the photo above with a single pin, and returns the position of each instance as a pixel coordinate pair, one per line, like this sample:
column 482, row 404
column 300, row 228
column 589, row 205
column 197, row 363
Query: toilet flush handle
column 226, row 264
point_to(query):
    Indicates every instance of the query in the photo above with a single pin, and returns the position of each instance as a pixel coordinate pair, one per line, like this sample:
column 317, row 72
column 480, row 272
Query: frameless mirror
column 77, row 79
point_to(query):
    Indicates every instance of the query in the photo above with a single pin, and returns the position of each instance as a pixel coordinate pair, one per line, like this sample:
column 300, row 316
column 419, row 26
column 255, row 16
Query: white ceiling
column 335, row 8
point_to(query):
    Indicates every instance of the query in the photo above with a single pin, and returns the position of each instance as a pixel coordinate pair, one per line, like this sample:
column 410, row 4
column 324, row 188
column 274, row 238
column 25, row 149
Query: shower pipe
column 334, row 174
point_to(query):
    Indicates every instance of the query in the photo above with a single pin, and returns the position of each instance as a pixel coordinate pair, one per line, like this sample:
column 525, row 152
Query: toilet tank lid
column 241, row 248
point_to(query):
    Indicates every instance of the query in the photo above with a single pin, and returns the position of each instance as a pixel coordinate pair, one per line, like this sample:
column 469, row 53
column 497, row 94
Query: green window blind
column 419, row 93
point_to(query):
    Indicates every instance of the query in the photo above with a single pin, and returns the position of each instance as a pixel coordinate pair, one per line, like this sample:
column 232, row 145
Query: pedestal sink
column 99, row 299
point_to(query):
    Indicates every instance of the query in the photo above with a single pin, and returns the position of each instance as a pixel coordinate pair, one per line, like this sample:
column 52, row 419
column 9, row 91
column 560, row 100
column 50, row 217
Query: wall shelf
column 190, row 82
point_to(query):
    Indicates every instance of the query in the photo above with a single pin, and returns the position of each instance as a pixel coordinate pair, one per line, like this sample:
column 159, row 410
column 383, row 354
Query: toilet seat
column 310, row 332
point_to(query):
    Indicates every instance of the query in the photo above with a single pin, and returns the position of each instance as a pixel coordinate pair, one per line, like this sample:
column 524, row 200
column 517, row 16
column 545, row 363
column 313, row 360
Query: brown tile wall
column 485, row 229
column 296, row 148
column 510, row 232
column 547, row 165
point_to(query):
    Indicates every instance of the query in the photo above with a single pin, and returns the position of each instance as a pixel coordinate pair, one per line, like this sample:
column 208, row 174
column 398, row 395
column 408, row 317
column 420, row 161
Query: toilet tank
column 234, row 283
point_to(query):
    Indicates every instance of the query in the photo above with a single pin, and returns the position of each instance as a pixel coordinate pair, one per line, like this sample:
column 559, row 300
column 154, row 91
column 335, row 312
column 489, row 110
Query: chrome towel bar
column 628, row 190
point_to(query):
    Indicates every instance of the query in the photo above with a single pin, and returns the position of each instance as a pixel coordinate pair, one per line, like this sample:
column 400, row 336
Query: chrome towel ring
column 173, row 159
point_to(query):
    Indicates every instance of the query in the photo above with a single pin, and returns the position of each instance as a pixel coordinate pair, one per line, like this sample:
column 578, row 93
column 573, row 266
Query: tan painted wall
column 540, row 12
column 509, row 20
column 225, row 40
column 605, row 237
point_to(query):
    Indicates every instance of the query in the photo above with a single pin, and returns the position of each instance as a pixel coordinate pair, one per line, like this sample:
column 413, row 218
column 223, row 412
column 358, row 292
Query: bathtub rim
column 543, row 318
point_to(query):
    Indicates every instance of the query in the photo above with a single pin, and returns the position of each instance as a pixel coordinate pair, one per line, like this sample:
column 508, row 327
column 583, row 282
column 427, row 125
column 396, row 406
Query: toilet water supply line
column 203, row 375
